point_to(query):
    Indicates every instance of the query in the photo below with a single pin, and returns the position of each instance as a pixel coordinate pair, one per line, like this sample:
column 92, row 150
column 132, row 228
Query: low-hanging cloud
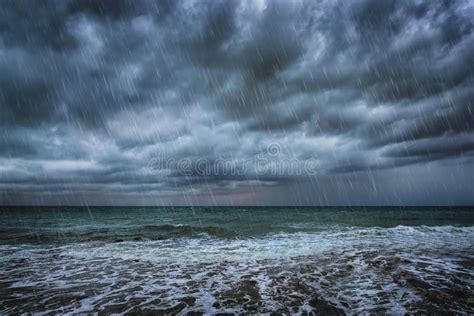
column 92, row 91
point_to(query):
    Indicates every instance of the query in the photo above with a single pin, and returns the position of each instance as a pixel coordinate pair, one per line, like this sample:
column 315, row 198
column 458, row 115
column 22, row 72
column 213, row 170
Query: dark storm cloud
column 92, row 91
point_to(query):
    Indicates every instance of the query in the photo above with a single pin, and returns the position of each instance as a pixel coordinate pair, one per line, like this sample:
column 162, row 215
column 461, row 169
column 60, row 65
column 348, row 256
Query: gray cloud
column 92, row 91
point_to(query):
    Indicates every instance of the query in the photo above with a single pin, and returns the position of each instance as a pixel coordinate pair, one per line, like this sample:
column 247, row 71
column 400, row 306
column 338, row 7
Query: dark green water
column 72, row 224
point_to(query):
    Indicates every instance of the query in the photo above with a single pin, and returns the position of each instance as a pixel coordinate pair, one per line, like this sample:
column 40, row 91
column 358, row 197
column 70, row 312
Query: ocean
column 163, row 260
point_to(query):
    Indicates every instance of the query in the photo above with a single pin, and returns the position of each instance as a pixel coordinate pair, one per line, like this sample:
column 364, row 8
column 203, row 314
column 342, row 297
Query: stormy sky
column 136, row 102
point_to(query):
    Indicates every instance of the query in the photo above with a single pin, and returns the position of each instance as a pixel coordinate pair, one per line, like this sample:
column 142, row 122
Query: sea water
column 236, row 260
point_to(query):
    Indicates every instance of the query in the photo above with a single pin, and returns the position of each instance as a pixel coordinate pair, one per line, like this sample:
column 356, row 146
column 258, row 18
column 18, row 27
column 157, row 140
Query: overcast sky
column 96, row 98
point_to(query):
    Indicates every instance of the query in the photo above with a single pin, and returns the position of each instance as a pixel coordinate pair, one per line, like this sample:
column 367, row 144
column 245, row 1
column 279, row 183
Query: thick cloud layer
column 192, row 102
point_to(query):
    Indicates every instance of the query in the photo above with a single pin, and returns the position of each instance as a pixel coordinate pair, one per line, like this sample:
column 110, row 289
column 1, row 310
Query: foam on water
column 353, row 270
column 273, row 246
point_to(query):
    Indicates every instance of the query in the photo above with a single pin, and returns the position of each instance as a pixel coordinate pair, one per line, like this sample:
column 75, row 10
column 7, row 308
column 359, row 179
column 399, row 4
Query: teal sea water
column 334, row 260
column 81, row 224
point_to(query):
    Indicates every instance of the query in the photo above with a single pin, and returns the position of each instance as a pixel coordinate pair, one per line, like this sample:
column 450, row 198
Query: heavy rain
column 252, row 156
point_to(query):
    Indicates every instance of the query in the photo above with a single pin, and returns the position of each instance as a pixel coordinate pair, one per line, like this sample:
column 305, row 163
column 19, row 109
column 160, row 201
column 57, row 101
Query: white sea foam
column 357, row 270
column 280, row 245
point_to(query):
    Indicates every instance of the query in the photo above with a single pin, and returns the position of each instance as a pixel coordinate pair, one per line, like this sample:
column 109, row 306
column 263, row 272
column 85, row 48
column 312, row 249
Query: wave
column 150, row 232
column 186, row 243
column 108, row 234
column 185, row 230
column 376, row 270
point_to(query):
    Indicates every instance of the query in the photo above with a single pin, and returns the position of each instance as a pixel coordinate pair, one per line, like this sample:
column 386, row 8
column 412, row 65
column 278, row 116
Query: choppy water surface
column 257, row 260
